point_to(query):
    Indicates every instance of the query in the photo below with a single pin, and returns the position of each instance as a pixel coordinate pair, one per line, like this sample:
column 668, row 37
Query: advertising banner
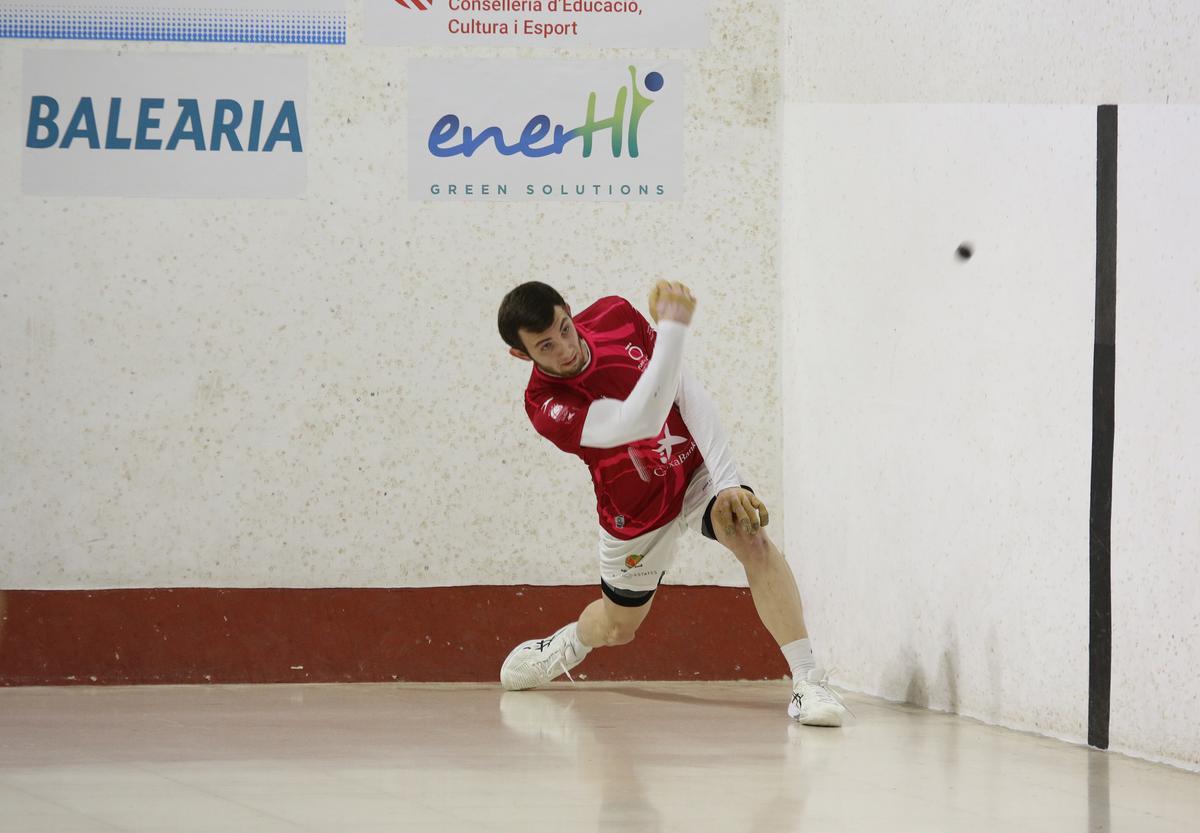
column 212, row 21
column 163, row 124
column 553, row 23
column 496, row 129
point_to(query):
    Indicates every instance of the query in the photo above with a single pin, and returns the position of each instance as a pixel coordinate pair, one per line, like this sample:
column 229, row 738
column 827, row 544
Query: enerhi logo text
column 450, row 137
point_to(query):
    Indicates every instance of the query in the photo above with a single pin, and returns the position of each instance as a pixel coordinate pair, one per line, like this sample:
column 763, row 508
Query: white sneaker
column 539, row 661
column 814, row 703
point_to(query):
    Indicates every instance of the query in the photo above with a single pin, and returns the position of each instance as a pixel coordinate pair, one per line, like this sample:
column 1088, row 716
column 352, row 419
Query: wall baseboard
column 435, row 634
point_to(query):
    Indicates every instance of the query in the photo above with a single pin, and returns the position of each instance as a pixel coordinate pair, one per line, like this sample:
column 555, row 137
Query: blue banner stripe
column 201, row 25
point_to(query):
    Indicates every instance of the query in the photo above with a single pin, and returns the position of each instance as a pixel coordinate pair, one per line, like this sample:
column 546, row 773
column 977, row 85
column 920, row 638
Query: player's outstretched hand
column 672, row 301
column 737, row 509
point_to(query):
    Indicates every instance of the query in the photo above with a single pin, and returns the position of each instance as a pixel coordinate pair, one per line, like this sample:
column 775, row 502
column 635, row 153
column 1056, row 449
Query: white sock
column 572, row 635
column 800, row 657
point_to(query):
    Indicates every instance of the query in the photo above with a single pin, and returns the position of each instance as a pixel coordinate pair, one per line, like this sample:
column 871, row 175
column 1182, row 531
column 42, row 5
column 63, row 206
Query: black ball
column 965, row 251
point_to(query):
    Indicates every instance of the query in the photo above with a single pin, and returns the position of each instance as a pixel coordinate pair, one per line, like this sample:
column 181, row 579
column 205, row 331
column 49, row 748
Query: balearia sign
column 163, row 124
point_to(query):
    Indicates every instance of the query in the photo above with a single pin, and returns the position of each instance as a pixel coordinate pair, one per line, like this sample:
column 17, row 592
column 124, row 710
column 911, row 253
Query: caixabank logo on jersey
column 542, row 130
column 163, row 125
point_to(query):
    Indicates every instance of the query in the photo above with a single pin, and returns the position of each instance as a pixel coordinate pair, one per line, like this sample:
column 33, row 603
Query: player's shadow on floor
column 674, row 697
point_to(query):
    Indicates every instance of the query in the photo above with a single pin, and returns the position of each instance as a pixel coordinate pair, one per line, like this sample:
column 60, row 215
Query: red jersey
column 639, row 486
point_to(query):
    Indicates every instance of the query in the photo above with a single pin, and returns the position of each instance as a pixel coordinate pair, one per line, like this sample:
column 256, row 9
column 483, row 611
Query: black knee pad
column 627, row 598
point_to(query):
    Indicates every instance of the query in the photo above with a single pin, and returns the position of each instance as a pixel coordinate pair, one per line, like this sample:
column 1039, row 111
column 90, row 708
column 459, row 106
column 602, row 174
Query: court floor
column 598, row 756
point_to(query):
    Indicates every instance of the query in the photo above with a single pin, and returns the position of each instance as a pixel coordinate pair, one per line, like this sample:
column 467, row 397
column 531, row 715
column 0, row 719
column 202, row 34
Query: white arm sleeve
column 700, row 414
column 612, row 422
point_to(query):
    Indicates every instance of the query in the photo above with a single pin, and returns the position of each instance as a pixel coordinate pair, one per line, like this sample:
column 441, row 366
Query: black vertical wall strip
column 1103, row 382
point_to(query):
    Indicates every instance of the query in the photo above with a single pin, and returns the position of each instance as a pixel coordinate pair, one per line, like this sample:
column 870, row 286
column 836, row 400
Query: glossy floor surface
column 607, row 757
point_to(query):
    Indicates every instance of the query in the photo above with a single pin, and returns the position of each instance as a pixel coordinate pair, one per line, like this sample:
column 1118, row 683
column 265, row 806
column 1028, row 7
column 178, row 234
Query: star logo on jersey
column 666, row 442
column 632, row 561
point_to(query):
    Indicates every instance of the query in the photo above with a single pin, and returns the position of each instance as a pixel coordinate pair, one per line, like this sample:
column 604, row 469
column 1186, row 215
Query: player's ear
column 519, row 354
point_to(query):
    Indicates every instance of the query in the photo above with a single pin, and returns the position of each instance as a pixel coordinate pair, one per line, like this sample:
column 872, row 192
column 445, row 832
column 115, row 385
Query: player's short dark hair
column 528, row 307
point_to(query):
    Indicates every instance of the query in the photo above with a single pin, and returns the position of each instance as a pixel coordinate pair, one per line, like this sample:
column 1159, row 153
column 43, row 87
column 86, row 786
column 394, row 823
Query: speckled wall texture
column 312, row 393
column 937, row 430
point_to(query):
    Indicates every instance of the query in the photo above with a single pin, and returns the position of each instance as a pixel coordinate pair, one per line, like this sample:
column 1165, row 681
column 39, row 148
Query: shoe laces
column 826, row 694
column 556, row 656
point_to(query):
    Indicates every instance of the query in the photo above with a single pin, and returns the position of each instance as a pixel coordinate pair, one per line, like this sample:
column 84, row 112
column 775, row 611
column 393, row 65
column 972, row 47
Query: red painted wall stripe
column 438, row 634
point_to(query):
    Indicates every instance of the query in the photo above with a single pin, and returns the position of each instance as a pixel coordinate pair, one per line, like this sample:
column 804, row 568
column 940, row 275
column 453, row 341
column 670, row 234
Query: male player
column 611, row 390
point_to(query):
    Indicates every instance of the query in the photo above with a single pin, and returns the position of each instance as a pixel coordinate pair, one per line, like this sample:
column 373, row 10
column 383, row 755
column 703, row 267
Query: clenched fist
column 672, row 301
column 739, row 510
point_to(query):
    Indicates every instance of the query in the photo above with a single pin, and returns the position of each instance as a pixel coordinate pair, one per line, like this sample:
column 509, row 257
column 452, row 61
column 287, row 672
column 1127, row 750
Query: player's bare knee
column 619, row 634
column 620, row 630
column 752, row 551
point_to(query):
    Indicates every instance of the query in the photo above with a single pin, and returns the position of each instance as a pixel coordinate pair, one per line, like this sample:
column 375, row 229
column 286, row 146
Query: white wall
column 1156, row 455
column 1019, row 51
column 938, row 473
column 312, row 392
column 938, row 414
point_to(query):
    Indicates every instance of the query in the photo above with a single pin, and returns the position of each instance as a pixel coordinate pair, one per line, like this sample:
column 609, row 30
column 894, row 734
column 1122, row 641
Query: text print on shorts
column 654, row 551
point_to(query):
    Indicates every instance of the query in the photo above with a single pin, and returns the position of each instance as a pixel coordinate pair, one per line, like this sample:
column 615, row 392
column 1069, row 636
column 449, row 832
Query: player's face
column 557, row 350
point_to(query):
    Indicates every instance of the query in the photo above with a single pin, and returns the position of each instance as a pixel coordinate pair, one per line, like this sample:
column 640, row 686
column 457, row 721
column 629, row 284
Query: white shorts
column 638, row 564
